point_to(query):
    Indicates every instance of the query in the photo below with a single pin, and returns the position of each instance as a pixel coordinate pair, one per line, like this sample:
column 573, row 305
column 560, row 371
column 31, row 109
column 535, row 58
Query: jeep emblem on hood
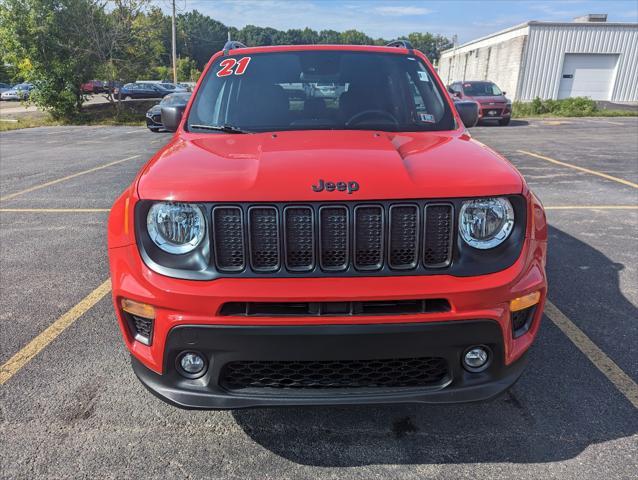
column 350, row 187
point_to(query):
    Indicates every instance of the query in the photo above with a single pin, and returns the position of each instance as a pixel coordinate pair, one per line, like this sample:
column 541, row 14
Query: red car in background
column 492, row 101
column 93, row 86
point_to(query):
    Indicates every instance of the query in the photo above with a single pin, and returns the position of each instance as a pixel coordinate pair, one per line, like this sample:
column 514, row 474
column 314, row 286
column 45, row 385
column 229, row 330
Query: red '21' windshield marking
column 229, row 64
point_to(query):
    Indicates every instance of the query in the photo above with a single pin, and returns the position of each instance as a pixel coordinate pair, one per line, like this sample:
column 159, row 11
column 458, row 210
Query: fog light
column 192, row 365
column 476, row 359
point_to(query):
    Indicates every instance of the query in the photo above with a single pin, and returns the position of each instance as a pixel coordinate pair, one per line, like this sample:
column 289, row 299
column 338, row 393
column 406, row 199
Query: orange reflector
column 523, row 302
column 139, row 309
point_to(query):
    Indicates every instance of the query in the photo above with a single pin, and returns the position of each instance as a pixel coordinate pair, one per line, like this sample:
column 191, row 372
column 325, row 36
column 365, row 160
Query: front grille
column 334, row 374
column 332, row 238
column 358, row 308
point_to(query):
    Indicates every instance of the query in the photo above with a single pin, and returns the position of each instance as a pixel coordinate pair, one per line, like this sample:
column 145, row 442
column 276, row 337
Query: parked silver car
column 21, row 91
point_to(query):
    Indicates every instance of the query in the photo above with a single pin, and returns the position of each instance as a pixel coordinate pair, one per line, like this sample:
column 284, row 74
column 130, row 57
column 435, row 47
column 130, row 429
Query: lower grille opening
column 302, row 309
column 141, row 328
column 522, row 321
column 333, row 374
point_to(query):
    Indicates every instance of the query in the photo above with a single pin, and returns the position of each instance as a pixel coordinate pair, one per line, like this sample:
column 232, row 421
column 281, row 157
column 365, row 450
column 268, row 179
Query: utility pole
column 174, row 48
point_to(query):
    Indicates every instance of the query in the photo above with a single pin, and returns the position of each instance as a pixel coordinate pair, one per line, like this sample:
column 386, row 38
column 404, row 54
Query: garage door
column 588, row 75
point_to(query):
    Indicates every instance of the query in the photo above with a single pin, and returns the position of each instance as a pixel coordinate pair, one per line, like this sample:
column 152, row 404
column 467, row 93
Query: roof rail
column 400, row 44
column 231, row 45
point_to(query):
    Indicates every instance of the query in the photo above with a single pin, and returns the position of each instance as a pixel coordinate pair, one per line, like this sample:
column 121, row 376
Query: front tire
column 505, row 121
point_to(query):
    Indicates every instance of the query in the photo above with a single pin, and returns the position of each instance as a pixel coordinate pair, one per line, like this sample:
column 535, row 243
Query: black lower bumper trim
column 223, row 345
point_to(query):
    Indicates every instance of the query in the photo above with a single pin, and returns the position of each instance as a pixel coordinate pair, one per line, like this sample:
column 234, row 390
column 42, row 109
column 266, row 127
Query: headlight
column 176, row 227
column 486, row 222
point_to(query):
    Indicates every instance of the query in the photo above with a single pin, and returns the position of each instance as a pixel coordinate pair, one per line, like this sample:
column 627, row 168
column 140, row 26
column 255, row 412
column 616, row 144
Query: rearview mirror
column 468, row 111
column 172, row 116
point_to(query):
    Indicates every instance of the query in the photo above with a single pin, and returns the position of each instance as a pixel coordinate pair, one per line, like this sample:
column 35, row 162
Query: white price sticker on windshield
column 423, row 76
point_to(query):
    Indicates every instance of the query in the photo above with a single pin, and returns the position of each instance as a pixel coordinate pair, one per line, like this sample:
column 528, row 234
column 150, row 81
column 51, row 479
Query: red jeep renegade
column 322, row 229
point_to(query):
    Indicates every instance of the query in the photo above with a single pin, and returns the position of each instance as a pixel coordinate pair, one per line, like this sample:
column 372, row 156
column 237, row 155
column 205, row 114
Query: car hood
column 284, row 167
column 493, row 99
column 155, row 109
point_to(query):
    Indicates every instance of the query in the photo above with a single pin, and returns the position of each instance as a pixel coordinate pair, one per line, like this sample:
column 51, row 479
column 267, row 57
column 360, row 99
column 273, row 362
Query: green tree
column 329, row 37
column 50, row 37
column 355, row 37
column 187, row 70
column 199, row 35
column 430, row 44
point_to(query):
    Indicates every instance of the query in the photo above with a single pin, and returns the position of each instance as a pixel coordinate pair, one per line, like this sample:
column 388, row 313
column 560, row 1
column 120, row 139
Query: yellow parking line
column 35, row 346
column 601, row 361
column 68, row 177
column 575, row 167
column 54, row 210
column 592, row 207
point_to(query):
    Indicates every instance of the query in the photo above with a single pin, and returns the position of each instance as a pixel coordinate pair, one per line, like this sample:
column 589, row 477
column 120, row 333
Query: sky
column 469, row 19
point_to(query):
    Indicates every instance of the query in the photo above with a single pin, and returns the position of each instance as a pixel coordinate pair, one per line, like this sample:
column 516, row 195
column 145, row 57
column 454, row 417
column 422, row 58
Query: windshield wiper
column 221, row 128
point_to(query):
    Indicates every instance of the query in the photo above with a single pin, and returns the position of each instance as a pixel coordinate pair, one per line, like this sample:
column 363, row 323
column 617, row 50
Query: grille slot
column 368, row 237
column 264, row 238
column 334, row 374
column 439, row 224
column 370, row 308
column 228, row 228
column 404, row 236
column 335, row 237
column 299, row 238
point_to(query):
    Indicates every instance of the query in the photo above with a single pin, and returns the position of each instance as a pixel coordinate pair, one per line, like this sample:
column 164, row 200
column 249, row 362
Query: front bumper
column 152, row 121
column 494, row 113
column 222, row 345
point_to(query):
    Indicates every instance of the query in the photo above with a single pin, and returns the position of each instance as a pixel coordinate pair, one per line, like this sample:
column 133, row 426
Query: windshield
column 308, row 90
column 481, row 89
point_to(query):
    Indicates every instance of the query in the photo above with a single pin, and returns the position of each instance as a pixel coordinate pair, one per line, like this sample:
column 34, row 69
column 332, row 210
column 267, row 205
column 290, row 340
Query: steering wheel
column 356, row 118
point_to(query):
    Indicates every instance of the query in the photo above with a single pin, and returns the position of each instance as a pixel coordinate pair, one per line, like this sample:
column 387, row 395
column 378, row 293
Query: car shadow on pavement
column 561, row 405
column 494, row 123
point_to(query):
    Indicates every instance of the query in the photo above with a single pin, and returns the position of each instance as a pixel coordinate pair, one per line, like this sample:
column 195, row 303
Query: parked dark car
column 494, row 105
column 143, row 90
column 154, row 114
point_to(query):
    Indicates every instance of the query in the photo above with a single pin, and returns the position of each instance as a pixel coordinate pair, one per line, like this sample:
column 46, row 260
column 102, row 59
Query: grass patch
column 568, row 107
column 131, row 113
column 26, row 120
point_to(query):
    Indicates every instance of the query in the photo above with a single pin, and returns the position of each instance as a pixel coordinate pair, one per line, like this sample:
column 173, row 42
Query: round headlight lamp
column 486, row 222
column 176, row 227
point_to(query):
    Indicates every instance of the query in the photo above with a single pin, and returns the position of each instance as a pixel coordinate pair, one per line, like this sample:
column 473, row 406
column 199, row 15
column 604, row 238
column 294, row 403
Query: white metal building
column 585, row 58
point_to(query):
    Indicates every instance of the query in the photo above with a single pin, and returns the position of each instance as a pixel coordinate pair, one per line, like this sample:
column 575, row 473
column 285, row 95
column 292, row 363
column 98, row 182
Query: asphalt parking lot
column 75, row 409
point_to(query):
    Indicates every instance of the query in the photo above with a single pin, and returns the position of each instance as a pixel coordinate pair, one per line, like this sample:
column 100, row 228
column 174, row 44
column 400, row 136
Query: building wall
column 499, row 61
column 548, row 43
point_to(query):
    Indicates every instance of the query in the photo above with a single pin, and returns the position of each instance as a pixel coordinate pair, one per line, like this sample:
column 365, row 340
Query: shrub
column 568, row 107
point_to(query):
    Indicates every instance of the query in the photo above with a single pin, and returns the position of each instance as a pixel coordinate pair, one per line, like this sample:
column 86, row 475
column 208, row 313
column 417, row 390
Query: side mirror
column 504, row 93
column 172, row 116
column 469, row 112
